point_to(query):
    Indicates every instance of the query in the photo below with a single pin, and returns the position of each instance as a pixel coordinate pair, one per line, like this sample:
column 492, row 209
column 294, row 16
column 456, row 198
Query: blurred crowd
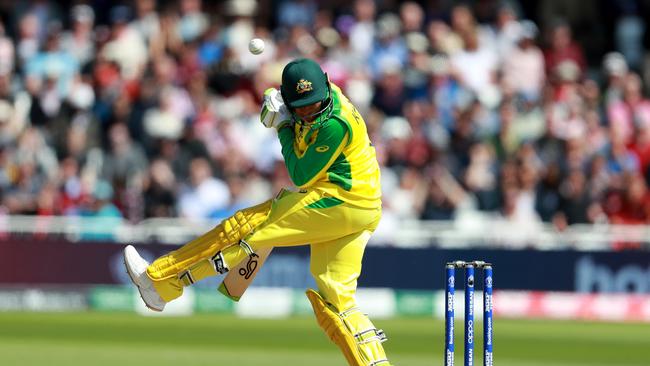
column 151, row 108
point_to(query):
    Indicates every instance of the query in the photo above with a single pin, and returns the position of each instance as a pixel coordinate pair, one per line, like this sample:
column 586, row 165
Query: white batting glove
column 274, row 113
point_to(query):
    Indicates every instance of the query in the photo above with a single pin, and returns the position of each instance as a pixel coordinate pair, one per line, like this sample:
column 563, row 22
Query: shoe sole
column 131, row 276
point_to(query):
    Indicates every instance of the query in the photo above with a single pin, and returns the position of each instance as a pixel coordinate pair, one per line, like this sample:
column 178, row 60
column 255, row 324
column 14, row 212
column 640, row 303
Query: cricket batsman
column 335, row 210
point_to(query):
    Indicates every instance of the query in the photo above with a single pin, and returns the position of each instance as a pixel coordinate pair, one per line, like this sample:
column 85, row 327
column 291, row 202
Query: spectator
column 480, row 177
column 563, row 49
column 442, row 39
column 632, row 109
column 72, row 193
column 53, row 64
column 396, row 131
column 103, row 216
column 404, row 201
column 7, row 53
column 507, row 30
column 629, row 206
column 615, row 69
column 629, row 31
column 390, row 94
column 147, row 23
column 125, row 161
column 297, row 13
column 547, row 199
column 389, row 51
column 463, row 22
column 462, row 138
column 193, row 21
column 28, row 41
column 621, row 160
column 47, row 203
column 575, row 202
column 362, row 32
column 167, row 121
column 446, row 198
column 80, row 41
column 126, row 46
column 205, row 194
column 518, row 192
column 412, row 16
column 437, row 205
column 11, row 123
column 159, row 191
column 523, row 65
column 475, row 66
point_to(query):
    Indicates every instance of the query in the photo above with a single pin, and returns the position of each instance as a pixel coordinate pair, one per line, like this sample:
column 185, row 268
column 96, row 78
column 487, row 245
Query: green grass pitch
column 112, row 339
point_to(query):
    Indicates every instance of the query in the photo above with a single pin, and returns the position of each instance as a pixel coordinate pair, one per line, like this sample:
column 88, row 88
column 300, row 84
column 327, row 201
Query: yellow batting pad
column 228, row 232
column 166, row 271
column 352, row 331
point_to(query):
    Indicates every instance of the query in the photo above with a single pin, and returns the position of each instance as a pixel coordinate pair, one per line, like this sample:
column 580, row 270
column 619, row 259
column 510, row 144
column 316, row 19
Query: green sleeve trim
column 340, row 173
column 224, row 290
column 325, row 202
column 319, row 155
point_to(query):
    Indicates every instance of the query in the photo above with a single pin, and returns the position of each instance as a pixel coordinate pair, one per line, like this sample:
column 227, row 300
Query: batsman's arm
column 320, row 155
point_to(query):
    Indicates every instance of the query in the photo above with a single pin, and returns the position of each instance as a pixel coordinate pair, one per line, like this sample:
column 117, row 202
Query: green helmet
column 304, row 83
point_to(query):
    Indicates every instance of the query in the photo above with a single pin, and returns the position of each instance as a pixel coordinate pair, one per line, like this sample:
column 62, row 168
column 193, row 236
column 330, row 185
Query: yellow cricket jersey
column 335, row 156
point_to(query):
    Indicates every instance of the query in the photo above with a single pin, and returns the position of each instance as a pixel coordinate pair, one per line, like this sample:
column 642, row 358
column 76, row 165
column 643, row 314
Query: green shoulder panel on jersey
column 304, row 170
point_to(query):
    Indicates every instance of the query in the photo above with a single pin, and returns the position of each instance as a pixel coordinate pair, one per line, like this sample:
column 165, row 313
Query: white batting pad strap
column 366, row 335
column 383, row 362
column 247, row 248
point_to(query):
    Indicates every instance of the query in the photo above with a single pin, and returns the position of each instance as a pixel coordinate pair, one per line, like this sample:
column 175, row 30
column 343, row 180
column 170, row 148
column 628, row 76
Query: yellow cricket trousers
column 336, row 231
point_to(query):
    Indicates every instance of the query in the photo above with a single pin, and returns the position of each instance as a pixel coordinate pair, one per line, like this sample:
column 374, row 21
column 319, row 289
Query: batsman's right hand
column 274, row 113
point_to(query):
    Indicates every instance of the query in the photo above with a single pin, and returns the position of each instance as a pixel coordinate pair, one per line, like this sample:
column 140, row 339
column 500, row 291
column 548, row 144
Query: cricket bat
column 241, row 276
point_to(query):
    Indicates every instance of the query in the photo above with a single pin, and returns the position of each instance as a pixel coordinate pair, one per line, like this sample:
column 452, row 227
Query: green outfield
column 112, row 339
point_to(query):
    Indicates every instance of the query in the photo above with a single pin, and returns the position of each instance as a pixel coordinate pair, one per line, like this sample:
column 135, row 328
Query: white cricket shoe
column 136, row 267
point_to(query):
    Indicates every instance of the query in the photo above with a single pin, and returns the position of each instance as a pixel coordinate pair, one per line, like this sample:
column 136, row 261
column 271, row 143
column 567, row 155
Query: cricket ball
column 256, row 46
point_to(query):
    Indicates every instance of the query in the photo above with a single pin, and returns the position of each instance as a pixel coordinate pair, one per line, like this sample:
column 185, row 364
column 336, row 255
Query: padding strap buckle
column 186, row 278
column 218, row 263
column 377, row 335
column 383, row 362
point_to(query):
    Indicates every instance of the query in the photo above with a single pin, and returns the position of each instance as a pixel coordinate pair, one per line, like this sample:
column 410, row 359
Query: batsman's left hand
column 274, row 113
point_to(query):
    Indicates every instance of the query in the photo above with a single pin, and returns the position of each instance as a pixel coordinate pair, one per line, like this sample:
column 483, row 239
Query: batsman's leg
column 336, row 266
column 195, row 260
column 284, row 220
